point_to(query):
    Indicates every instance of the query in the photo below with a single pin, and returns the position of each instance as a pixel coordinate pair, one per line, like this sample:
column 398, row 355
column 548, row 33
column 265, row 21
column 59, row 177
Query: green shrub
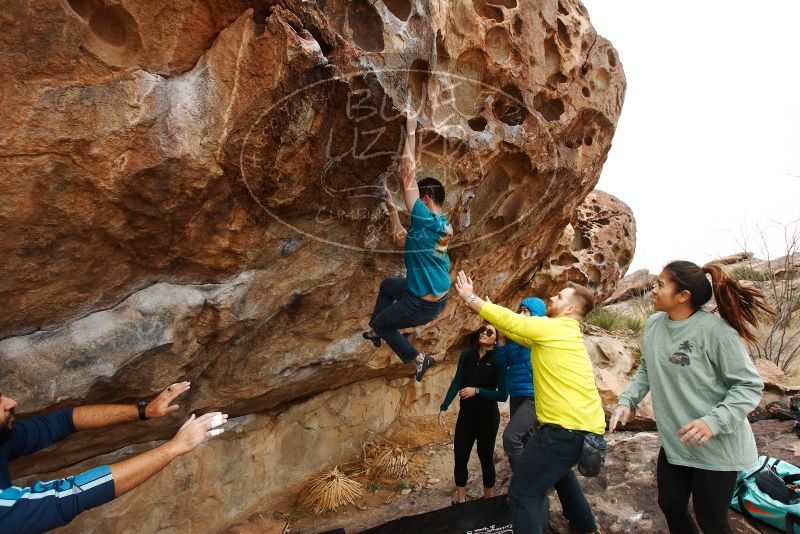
column 634, row 323
column 613, row 321
column 604, row 318
column 748, row 273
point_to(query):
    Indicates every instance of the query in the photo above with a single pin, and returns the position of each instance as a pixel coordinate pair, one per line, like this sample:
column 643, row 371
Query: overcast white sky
column 710, row 130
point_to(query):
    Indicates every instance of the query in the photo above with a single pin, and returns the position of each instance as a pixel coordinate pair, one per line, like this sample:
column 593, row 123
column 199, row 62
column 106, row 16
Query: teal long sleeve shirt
column 483, row 373
column 699, row 368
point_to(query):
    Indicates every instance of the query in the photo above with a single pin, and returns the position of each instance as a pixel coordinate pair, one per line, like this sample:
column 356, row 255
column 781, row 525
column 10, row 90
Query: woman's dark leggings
column 711, row 493
column 471, row 426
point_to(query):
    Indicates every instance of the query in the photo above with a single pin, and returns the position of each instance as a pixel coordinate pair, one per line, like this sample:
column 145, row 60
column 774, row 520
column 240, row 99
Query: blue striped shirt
column 47, row 505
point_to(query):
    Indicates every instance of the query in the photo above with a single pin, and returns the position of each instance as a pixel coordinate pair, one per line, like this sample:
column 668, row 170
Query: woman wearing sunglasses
column 480, row 384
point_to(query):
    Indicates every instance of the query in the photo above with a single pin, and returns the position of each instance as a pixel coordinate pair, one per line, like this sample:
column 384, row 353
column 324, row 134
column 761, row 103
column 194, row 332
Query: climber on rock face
column 46, row 505
column 421, row 296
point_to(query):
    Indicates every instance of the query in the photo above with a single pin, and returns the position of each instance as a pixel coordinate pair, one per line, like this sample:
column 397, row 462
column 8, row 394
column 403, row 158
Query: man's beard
column 5, row 429
column 552, row 311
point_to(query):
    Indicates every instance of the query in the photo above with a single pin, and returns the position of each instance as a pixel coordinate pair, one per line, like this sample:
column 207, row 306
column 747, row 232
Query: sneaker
column 375, row 338
column 427, row 361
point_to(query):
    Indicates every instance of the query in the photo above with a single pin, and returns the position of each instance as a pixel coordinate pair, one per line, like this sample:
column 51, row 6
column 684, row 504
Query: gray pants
column 519, row 429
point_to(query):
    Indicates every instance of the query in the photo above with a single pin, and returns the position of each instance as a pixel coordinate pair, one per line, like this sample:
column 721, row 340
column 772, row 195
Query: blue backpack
column 770, row 493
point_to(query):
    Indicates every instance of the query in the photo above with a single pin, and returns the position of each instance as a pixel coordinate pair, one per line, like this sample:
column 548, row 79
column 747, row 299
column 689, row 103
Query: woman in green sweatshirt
column 703, row 384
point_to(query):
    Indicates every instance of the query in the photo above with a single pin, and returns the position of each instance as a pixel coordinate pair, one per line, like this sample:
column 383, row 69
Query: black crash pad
column 482, row 516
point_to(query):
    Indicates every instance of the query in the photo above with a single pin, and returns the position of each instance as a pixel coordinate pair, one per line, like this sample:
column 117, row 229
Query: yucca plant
column 386, row 462
column 328, row 490
column 380, row 458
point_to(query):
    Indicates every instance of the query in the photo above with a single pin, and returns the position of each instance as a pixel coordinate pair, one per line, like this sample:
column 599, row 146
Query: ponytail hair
column 739, row 305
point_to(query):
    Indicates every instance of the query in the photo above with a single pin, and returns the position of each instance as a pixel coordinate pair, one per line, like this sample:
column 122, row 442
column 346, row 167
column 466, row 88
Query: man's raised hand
column 464, row 285
column 196, row 430
column 160, row 406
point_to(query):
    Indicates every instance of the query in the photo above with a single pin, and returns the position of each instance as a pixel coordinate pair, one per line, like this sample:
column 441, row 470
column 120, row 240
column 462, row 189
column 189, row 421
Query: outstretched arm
column 519, row 328
column 395, row 226
column 134, row 471
column 408, row 164
column 627, row 402
column 47, row 505
column 103, row 415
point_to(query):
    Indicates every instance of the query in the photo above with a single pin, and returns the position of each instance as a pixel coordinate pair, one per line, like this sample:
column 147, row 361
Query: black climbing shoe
column 427, row 361
column 375, row 338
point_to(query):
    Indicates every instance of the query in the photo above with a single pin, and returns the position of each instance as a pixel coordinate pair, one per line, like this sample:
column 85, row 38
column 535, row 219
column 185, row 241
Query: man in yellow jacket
column 567, row 403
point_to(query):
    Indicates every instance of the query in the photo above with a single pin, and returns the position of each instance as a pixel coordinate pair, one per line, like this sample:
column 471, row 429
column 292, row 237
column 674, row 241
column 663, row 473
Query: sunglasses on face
column 488, row 332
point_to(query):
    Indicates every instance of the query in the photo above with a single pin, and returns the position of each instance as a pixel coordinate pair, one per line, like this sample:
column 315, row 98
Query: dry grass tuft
column 383, row 459
column 328, row 490
column 414, row 432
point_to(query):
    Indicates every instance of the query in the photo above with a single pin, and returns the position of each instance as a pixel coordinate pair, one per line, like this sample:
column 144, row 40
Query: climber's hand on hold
column 160, row 406
column 196, row 430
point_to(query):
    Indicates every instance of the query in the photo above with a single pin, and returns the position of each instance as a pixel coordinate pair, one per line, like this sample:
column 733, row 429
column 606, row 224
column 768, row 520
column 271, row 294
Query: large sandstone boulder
column 595, row 249
column 191, row 191
column 634, row 285
column 775, row 380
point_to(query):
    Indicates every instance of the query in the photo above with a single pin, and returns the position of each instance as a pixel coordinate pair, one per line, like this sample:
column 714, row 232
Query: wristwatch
column 472, row 297
column 141, row 405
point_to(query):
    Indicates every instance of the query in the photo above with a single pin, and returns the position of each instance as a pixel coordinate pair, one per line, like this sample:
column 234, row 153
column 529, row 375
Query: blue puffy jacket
column 517, row 358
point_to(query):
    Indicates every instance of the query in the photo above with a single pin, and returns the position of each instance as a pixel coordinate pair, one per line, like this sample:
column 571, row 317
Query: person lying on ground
column 46, row 505
column 480, row 384
column 418, row 298
column 567, row 404
column 703, row 385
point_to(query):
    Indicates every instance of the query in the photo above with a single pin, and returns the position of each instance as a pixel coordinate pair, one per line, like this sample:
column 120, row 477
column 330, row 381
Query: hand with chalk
column 196, row 430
